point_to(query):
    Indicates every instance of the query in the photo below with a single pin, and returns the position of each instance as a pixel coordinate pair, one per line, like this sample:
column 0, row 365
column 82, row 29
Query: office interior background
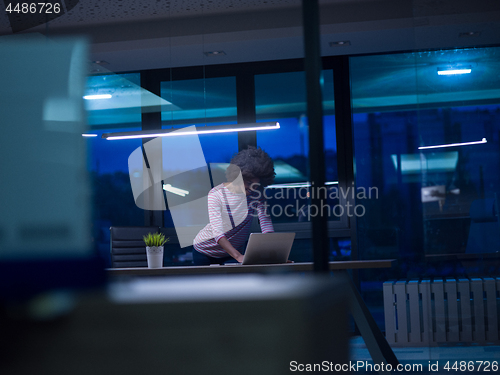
column 228, row 62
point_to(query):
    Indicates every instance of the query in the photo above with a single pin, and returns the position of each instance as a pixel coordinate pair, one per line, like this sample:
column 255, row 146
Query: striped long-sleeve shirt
column 242, row 212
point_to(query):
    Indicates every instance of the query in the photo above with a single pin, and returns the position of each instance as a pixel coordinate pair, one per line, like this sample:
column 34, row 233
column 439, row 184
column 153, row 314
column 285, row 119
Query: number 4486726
column 32, row 8
column 471, row 366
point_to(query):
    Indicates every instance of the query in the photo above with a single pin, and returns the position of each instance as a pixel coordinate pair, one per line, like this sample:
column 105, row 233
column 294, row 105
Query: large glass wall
column 426, row 148
column 426, row 151
column 281, row 97
column 426, row 134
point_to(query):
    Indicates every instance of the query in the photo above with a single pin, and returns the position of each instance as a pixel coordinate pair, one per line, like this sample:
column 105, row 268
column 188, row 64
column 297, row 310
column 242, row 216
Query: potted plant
column 154, row 249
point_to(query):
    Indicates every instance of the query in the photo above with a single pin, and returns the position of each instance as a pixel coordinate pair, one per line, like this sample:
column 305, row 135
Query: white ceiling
column 148, row 34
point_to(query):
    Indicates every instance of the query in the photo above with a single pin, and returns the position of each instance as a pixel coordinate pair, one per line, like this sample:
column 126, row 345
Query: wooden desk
column 375, row 341
column 238, row 268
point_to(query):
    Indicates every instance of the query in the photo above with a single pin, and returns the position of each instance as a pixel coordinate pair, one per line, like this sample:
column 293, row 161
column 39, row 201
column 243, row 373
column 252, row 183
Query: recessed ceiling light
column 100, row 62
column 469, row 33
column 214, row 53
column 341, row 43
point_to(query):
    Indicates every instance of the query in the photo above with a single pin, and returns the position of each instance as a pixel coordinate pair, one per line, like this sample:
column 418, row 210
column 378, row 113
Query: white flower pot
column 155, row 256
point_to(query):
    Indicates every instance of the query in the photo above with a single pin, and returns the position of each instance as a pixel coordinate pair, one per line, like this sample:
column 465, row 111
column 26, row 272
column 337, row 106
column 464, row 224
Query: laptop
column 268, row 248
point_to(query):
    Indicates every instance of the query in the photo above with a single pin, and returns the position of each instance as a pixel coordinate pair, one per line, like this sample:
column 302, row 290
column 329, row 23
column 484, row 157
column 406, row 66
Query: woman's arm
column 226, row 245
column 266, row 224
column 215, row 215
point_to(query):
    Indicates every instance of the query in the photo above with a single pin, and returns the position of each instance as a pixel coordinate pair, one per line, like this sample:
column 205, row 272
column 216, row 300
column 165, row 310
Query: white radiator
column 427, row 313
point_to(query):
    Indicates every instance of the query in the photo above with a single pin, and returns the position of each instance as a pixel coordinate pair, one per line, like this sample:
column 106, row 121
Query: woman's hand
column 226, row 245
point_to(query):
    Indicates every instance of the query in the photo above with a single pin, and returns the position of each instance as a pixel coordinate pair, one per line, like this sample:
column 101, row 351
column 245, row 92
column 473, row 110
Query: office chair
column 127, row 246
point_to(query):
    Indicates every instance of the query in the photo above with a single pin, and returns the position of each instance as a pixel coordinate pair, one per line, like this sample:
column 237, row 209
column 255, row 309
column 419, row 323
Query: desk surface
column 238, row 268
column 375, row 341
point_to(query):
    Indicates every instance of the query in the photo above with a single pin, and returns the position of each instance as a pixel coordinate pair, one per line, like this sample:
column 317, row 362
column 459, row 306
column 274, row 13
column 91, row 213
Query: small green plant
column 155, row 239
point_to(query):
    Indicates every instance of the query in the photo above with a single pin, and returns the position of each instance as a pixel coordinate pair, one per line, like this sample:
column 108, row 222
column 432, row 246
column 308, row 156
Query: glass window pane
column 210, row 101
column 113, row 200
column 281, row 97
column 119, row 110
column 459, row 147
column 218, row 157
column 429, row 143
column 199, row 101
column 121, row 104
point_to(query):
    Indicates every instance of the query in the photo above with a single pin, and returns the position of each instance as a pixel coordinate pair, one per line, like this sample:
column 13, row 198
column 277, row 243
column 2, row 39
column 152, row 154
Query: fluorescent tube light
column 95, row 97
column 199, row 130
column 174, row 190
column 89, row 135
column 454, row 144
column 453, row 71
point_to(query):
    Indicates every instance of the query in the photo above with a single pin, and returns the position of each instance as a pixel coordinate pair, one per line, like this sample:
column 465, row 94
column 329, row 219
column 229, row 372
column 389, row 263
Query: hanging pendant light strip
column 199, row 130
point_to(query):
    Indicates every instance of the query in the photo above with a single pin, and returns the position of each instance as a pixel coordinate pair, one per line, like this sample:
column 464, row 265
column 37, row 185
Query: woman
column 232, row 206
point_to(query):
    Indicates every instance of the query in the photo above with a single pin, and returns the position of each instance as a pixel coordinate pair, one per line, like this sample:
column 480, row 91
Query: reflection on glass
column 432, row 200
column 210, row 101
column 432, row 162
column 113, row 200
column 199, row 100
column 281, row 97
column 403, row 81
column 122, row 104
column 217, row 149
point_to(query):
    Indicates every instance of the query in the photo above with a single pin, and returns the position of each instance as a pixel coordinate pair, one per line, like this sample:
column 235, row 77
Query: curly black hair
column 253, row 163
